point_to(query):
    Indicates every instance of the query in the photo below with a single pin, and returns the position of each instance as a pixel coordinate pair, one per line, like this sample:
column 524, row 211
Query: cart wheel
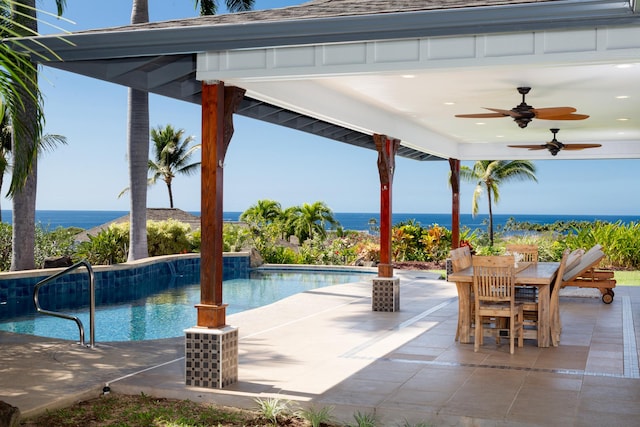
column 610, row 291
column 607, row 298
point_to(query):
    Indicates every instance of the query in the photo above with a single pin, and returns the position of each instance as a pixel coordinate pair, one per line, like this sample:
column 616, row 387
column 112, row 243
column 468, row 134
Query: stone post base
column 385, row 294
column 211, row 357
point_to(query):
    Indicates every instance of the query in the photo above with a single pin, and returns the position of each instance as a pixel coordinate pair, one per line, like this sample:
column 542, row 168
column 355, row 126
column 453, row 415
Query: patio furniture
column 460, row 259
column 527, row 295
column 494, row 295
column 554, row 305
column 585, row 274
column 529, row 252
column 540, row 275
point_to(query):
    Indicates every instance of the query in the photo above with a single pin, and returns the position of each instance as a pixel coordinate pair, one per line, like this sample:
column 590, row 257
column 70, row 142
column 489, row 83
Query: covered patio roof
column 346, row 69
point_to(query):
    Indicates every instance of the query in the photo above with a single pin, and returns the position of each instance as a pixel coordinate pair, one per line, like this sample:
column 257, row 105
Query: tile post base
column 211, row 357
column 385, row 294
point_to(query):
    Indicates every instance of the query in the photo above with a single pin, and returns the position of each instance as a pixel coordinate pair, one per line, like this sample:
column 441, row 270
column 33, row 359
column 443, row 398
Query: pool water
column 168, row 313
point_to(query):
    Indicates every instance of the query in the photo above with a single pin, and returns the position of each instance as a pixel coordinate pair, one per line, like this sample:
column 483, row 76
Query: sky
column 266, row 161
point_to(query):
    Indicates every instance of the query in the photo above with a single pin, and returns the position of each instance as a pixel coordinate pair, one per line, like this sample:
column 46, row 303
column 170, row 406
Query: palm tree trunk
column 24, row 148
column 138, row 148
column 490, row 217
column 170, row 195
column 24, row 223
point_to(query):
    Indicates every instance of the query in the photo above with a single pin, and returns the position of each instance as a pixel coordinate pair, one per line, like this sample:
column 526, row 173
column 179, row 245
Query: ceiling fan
column 554, row 146
column 523, row 113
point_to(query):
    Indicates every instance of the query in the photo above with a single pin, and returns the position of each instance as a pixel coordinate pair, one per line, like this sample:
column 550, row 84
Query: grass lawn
column 627, row 278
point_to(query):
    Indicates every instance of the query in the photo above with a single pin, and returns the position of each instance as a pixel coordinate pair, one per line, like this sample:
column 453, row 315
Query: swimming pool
column 165, row 314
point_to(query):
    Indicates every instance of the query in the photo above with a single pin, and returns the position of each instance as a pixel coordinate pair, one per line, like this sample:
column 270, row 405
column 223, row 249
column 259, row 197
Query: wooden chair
column 460, row 259
column 554, row 304
column 529, row 252
column 494, row 295
column 527, row 295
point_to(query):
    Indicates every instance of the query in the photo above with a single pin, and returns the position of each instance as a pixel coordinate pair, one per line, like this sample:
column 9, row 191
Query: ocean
column 348, row 220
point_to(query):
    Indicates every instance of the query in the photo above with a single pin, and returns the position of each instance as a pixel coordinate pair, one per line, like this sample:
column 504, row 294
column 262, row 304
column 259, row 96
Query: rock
column 255, row 259
column 9, row 415
column 55, row 262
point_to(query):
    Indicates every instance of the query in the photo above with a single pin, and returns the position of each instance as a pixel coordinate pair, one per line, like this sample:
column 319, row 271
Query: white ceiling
column 412, row 89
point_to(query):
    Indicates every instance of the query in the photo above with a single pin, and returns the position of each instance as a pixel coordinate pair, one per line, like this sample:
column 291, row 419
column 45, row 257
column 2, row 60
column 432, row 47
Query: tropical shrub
column 279, row 255
column 48, row 243
column 235, row 237
column 620, row 242
column 5, row 246
column 548, row 247
column 168, row 237
column 54, row 243
column 195, row 240
column 368, row 251
column 109, row 246
column 412, row 242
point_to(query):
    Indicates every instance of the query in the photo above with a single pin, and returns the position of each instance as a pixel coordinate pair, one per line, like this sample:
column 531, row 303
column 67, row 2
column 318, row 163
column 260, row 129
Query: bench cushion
column 588, row 260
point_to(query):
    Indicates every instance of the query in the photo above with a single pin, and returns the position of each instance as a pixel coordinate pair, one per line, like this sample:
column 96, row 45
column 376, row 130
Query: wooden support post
column 387, row 149
column 218, row 106
column 454, row 164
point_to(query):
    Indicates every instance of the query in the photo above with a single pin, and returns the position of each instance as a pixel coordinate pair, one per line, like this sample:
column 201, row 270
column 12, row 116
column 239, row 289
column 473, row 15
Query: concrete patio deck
column 327, row 348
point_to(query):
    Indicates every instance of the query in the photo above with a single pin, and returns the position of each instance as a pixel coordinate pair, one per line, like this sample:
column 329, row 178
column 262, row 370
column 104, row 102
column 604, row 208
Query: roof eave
column 140, row 41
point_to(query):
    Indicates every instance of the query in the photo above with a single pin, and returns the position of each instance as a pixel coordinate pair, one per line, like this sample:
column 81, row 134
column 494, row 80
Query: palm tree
column 210, row 7
column 25, row 105
column 489, row 174
column 46, row 143
column 138, row 128
column 263, row 212
column 311, row 219
column 172, row 155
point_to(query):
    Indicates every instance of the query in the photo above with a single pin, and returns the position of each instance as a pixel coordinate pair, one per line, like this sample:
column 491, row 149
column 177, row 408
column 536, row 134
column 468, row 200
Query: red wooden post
column 454, row 164
column 218, row 105
column 387, row 149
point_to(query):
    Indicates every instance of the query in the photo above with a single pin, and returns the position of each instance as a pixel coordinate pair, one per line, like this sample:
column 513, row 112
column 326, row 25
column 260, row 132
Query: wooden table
column 539, row 274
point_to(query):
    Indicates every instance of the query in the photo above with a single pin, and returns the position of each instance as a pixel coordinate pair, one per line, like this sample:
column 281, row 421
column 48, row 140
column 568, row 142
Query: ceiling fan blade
column 543, row 113
column 580, row 146
column 530, row 147
column 480, row 115
column 506, row 113
column 566, row 117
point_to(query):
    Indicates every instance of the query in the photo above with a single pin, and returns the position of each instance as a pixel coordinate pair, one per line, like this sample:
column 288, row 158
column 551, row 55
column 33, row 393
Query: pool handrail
column 92, row 301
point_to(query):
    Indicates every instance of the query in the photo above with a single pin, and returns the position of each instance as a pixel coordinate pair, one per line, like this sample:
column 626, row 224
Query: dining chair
column 529, row 252
column 554, row 304
column 527, row 295
column 460, row 259
column 494, row 295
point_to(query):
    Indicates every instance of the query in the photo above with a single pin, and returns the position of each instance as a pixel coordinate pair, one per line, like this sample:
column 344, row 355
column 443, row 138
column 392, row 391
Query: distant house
column 153, row 214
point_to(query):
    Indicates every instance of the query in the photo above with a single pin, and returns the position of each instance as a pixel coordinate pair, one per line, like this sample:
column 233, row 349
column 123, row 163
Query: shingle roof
column 153, row 214
column 326, row 9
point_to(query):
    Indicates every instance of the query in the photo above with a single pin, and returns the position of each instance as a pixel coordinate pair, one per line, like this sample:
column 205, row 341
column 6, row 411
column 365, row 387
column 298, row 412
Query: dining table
column 538, row 274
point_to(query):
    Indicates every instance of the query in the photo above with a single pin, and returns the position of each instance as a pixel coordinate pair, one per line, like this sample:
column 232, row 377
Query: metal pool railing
column 92, row 301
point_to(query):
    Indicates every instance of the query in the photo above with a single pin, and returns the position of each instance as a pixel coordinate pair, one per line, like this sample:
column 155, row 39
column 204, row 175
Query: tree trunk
column 138, row 149
column 170, row 195
column 25, row 148
column 490, row 217
column 24, row 223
